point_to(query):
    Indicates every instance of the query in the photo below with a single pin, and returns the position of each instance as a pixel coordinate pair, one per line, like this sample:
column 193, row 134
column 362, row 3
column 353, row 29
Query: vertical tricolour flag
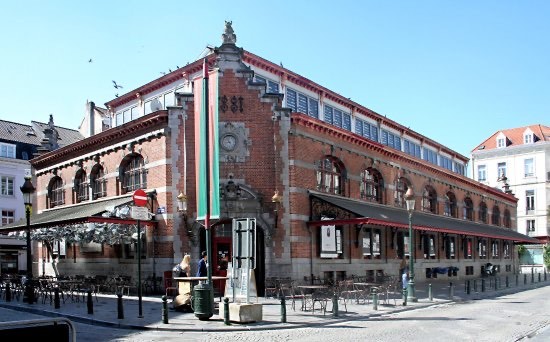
column 206, row 146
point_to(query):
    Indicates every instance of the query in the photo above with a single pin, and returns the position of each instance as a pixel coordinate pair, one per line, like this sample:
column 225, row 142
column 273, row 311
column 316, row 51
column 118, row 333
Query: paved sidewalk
column 105, row 309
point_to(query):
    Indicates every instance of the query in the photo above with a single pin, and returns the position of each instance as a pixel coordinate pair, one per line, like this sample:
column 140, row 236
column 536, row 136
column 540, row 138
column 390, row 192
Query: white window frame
column 501, row 142
column 7, row 150
column 529, row 167
column 501, row 167
column 482, row 170
column 4, row 186
column 531, row 225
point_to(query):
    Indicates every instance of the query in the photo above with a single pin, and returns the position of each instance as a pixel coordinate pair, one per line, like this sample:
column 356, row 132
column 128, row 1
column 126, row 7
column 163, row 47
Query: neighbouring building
column 18, row 144
column 324, row 177
column 518, row 159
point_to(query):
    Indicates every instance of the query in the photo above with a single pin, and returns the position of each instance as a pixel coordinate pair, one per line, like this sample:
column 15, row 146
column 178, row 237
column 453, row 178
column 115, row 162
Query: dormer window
column 528, row 137
column 501, row 142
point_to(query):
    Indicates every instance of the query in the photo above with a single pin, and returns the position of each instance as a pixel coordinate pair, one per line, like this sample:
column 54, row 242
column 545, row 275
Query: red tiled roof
column 515, row 136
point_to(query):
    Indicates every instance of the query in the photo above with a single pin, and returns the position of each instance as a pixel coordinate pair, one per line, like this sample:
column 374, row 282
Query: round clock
column 228, row 142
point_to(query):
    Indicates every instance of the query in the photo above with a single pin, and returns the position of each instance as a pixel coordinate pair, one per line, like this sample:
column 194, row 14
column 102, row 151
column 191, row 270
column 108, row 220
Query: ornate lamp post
column 409, row 199
column 28, row 189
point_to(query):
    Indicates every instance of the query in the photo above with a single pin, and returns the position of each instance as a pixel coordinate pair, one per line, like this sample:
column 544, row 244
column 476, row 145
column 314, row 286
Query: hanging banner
column 206, row 145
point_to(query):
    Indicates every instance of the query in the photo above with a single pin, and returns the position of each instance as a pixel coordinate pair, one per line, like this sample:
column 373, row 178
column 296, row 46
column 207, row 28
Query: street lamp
column 28, row 189
column 409, row 199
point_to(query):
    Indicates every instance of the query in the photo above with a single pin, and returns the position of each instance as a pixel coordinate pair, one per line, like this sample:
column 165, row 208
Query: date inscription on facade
column 233, row 103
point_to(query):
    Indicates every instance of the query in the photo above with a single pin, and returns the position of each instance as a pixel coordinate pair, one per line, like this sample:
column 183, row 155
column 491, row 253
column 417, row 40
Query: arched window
column 483, row 212
column 507, row 219
column 450, row 205
column 429, row 200
column 56, row 193
column 330, row 176
column 401, row 186
column 99, row 183
column 372, row 185
column 133, row 173
column 468, row 209
column 81, row 186
column 495, row 218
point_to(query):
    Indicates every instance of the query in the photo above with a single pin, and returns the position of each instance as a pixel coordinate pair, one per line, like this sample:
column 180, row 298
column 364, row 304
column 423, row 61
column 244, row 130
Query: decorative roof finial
column 229, row 36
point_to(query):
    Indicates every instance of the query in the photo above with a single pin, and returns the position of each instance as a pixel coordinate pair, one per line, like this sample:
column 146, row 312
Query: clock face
column 228, row 142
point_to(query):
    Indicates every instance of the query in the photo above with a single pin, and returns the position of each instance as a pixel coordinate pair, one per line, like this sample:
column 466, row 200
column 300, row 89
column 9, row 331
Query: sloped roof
column 66, row 136
column 515, row 136
column 16, row 132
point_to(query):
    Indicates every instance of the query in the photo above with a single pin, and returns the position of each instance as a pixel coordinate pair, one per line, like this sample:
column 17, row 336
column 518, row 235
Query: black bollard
column 90, row 303
column 532, row 276
column 405, row 297
column 56, row 303
column 8, row 292
column 375, row 301
column 475, row 285
column 524, row 278
column 451, row 291
column 226, row 311
column 430, row 293
column 482, row 285
column 507, row 282
column 335, row 305
column 283, row 309
column 545, row 274
column 164, row 309
column 539, row 277
column 468, row 289
column 517, row 280
column 120, row 308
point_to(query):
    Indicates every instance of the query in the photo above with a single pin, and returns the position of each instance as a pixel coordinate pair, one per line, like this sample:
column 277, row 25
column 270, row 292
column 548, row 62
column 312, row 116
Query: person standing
column 202, row 270
column 183, row 269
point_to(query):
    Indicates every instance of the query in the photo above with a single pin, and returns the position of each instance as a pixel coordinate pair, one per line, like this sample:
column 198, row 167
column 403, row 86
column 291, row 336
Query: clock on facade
column 228, row 142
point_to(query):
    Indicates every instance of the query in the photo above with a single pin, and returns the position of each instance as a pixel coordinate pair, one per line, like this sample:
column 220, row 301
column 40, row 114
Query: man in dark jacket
column 202, row 271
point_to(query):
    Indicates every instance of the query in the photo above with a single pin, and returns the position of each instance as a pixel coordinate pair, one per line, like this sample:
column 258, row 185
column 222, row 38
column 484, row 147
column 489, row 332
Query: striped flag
column 206, row 146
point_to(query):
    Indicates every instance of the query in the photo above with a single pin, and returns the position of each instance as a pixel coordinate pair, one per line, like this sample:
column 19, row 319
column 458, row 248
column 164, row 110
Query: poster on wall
column 366, row 245
column 328, row 241
column 376, row 244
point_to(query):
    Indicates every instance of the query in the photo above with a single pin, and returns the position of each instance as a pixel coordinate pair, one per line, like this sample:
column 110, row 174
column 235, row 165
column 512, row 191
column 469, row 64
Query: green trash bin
column 203, row 301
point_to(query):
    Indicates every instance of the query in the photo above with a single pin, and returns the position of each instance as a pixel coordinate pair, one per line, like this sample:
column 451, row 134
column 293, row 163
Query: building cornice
column 303, row 120
column 109, row 137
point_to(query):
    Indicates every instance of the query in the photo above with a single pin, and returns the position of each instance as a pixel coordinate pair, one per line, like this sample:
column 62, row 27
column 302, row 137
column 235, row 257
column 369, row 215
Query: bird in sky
column 90, row 60
column 117, row 86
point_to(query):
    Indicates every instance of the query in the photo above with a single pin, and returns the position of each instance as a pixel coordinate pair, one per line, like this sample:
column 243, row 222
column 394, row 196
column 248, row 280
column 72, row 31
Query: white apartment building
column 519, row 158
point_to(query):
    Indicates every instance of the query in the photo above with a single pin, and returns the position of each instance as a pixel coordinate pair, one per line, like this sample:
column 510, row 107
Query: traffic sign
column 140, row 198
column 139, row 213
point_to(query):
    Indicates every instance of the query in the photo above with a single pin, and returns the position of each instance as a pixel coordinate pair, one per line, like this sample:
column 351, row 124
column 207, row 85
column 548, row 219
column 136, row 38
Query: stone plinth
column 243, row 312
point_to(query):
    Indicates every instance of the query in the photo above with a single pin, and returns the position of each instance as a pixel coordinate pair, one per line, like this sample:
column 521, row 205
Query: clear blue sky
column 454, row 71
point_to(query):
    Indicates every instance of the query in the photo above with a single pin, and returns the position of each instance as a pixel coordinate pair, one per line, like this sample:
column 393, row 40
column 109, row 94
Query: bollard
column 532, row 277
column 120, row 308
column 517, row 280
column 524, row 278
column 451, row 291
column 8, row 292
column 375, row 301
column 90, row 303
column 468, row 289
column 539, row 277
column 545, row 274
column 226, row 311
column 56, row 302
column 475, row 285
column 164, row 309
column 430, row 293
column 405, row 297
column 482, row 285
column 334, row 305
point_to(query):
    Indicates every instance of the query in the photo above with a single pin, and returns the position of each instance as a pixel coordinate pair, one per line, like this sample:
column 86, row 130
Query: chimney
column 91, row 124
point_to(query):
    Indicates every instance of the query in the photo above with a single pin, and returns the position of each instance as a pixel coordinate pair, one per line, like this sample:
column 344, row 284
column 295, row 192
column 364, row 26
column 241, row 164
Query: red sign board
column 140, row 198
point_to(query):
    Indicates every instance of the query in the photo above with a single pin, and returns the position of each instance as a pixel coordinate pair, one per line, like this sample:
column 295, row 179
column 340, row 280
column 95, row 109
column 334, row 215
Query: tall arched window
column 56, row 193
column 372, row 185
column 450, row 205
column 468, row 209
column 429, row 200
column 483, row 212
column 495, row 218
column 401, row 186
column 330, row 176
column 133, row 173
column 507, row 219
column 81, row 186
column 99, row 183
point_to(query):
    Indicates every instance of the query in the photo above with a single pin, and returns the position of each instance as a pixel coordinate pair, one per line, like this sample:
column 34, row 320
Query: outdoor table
column 307, row 298
column 363, row 291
